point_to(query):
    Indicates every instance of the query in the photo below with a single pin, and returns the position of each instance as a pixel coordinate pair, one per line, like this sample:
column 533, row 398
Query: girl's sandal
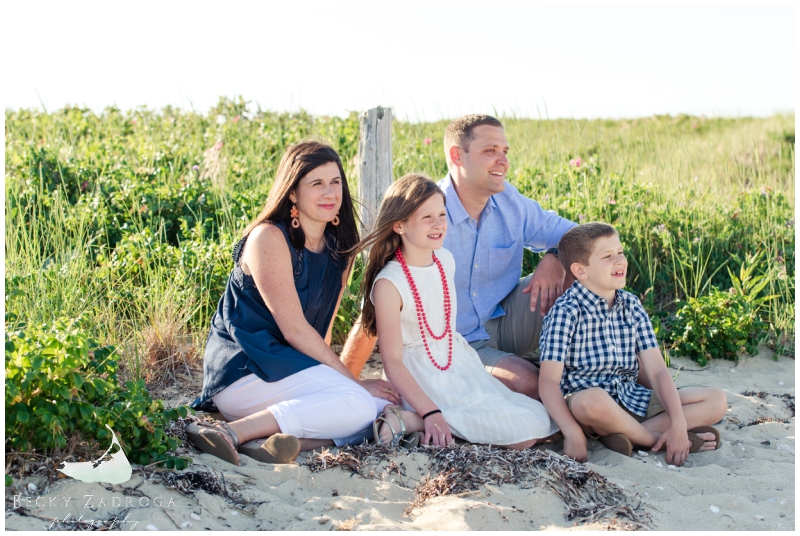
column 216, row 438
column 398, row 438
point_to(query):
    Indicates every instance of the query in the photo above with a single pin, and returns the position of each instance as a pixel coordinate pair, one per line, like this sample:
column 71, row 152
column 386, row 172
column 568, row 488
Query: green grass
column 128, row 217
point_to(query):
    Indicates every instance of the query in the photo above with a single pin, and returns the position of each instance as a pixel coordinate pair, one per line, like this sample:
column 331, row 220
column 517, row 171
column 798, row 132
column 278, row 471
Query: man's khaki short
column 653, row 409
column 516, row 333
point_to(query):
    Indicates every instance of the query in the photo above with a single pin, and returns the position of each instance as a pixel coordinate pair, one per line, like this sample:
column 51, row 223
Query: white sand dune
column 747, row 484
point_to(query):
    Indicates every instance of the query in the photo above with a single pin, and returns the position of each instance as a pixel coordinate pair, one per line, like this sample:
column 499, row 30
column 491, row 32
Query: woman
column 268, row 365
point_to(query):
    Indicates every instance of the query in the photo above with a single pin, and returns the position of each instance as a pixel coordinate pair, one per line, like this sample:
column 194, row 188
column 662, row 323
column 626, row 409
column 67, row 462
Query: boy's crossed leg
column 599, row 414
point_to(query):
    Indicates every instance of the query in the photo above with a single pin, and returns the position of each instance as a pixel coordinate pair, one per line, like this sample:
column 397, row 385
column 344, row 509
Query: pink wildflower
column 581, row 217
column 218, row 146
column 236, row 119
column 612, row 202
column 427, row 141
column 576, row 162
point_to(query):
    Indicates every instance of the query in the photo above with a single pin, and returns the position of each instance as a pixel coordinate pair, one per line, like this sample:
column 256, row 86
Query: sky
column 426, row 60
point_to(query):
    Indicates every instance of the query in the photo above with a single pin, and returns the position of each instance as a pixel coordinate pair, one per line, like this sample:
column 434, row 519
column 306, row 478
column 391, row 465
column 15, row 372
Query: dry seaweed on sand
column 588, row 496
column 787, row 398
column 361, row 459
column 189, row 482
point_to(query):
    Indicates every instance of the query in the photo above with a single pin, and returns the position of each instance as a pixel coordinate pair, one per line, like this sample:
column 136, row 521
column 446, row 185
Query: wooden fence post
column 374, row 162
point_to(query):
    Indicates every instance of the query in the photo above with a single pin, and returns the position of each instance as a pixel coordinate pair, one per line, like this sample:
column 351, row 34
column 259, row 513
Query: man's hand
column 382, row 389
column 547, row 283
column 575, row 448
column 678, row 444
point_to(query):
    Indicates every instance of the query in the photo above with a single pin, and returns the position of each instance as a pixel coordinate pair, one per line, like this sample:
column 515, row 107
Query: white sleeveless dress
column 476, row 406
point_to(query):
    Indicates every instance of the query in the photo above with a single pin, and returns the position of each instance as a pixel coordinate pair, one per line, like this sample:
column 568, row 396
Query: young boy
column 589, row 346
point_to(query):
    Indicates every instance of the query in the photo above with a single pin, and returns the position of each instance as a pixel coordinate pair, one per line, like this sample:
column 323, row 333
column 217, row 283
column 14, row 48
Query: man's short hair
column 576, row 245
column 459, row 132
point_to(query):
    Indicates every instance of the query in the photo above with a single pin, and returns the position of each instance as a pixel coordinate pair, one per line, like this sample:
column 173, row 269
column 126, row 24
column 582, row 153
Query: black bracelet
column 554, row 251
column 434, row 412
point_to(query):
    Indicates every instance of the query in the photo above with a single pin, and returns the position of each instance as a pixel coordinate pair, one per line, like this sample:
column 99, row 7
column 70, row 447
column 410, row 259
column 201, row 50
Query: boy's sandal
column 277, row 448
column 216, row 438
column 618, row 443
column 704, row 430
column 697, row 441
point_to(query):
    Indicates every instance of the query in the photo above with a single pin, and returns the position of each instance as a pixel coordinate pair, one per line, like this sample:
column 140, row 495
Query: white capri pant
column 315, row 403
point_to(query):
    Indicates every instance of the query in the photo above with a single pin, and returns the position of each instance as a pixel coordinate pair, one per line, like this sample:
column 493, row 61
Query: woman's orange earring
column 295, row 217
column 335, row 220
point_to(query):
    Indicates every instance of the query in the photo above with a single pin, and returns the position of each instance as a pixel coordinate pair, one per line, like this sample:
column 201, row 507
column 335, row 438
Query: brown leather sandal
column 277, row 448
column 216, row 438
column 618, row 443
column 703, row 430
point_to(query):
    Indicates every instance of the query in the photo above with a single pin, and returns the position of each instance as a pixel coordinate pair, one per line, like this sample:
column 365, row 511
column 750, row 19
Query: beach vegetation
column 60, row 383
column 126, row 219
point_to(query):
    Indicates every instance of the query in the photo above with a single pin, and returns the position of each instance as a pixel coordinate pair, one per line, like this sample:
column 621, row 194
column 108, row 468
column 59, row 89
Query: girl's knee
column 523, row 445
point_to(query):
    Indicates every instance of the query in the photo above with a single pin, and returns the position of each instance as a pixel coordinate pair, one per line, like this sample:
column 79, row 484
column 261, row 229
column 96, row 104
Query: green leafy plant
column 60, row 383
column 723, row 323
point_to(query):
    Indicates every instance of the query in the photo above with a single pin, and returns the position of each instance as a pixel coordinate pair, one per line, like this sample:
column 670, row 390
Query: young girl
column 444, row 387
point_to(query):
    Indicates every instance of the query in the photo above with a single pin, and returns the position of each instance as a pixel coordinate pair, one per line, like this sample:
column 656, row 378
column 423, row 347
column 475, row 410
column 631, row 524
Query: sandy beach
column 747, row 484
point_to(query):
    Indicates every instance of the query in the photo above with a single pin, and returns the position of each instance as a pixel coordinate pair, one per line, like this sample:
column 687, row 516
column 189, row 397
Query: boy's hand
column 575, row 447
column 678, row 444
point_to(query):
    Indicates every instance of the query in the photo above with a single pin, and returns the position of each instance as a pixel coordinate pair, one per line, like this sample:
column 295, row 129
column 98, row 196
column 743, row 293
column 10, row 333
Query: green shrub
column 59, row 383
column 718, row 325
column 722, row 323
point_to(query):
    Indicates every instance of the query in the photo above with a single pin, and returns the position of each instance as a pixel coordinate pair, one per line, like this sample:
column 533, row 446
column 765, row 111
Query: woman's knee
column 361, row 409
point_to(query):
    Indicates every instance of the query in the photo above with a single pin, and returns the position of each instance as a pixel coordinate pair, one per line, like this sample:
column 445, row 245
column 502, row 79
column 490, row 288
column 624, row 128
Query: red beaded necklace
column 421, row 311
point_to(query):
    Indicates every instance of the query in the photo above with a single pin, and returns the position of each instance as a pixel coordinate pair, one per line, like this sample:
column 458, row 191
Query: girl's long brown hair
column 296, row 163
column 401, row 200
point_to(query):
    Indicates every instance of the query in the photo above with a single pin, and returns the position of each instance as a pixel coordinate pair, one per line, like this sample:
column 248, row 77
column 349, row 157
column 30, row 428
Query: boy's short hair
column 459, row 132
column 576, row 245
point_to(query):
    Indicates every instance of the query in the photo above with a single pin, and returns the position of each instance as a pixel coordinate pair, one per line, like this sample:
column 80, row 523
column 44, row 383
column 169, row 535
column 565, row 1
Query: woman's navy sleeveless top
column 245, row 338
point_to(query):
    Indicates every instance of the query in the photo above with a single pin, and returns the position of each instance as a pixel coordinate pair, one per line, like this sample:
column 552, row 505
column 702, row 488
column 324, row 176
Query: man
column 489, row 225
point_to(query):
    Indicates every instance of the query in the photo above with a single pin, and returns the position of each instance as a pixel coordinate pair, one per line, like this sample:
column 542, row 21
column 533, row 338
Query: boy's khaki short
column 653, row 409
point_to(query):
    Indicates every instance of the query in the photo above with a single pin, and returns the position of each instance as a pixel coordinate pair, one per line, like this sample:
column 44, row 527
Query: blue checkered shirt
column 598, row 346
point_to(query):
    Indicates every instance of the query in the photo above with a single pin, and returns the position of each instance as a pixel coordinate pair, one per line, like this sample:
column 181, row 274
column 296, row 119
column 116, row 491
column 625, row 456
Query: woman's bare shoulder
column 264, row 238
column 266, row 234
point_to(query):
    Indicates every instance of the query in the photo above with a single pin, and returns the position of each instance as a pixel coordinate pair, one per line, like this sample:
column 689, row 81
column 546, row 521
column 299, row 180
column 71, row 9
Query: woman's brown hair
column 401, row 200
column 296, row 163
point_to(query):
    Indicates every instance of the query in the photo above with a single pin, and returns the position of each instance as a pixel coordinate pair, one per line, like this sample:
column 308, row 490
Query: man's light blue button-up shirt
column 488, row 253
